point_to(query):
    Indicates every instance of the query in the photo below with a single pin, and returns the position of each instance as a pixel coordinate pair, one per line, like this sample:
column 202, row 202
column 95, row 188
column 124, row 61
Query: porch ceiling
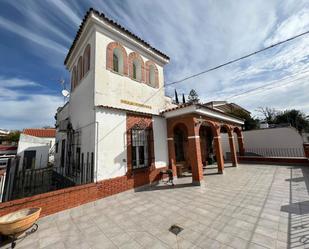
column 203, row 111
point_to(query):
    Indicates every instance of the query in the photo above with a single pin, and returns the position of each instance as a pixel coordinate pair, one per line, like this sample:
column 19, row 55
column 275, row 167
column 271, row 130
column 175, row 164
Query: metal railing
column 275, row 152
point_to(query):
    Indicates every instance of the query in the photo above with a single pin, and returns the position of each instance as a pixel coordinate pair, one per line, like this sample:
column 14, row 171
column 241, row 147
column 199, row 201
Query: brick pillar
column 195, row 156
column 171, row 149
column 172, row 155
column 218, row 148
column 233, row 150
column 241, row 144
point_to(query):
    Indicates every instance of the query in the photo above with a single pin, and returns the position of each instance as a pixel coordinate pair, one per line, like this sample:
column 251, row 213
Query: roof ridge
column 115, row 24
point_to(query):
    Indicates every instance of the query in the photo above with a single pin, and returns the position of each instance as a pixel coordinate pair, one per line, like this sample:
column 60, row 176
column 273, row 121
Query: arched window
column 116, row 58
column 86, row 58
column 117, row 61
column 73, row 78
column 137, row 70
column 79, row 69
column 152, row 75
column 136, row 67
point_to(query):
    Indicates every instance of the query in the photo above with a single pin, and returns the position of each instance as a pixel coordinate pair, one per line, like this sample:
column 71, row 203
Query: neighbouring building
column 226, row 107
column 35, row 147
column 119, row 126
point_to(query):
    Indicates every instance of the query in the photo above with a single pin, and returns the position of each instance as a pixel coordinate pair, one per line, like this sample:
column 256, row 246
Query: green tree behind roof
column 193, row 97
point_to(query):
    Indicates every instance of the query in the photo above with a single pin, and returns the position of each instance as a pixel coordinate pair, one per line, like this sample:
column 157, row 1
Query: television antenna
column 65, row 93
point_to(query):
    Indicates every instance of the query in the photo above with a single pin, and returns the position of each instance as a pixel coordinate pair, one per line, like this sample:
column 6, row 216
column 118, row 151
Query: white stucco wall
column 272, row 138
column 112, row 151
column 40, row 145
column 111, row 87
column 160, row 142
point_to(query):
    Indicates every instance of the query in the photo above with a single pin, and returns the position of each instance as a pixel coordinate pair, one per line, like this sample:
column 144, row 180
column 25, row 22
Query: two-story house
column 118, row 124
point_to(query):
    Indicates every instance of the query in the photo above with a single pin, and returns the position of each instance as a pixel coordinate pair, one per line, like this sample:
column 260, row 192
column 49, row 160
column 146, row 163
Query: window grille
column 141, row 153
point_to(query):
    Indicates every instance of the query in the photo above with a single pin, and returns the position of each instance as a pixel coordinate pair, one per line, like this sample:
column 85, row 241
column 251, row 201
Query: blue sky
column 35, row 37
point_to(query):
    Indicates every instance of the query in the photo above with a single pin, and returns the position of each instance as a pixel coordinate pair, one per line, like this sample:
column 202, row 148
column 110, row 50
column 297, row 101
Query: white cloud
column 196, row 35
column 40, row 40
column 20, row 109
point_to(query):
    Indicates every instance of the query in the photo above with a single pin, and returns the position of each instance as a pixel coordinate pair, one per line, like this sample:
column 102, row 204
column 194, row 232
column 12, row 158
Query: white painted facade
column 41, row 146
column 101, row 130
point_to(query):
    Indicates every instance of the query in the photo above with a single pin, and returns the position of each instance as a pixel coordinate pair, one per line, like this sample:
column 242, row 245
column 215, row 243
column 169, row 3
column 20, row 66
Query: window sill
column 147, row 168
column 115, row 72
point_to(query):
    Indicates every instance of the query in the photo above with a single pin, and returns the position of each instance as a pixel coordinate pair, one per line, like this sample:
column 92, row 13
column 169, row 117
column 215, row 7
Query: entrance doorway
column 207, row 145
column 180, row 145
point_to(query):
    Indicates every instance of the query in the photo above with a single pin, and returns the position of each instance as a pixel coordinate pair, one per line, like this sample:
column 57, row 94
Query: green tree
column 12, row 136
column 295, row 118
column 193, row 97
column 250, row 122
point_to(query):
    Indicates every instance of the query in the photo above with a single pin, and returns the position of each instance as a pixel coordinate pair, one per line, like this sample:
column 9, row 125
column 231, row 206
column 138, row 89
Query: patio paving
column 251, row 206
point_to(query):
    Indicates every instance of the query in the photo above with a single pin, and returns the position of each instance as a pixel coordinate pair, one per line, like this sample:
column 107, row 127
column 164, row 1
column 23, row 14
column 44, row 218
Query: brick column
column 241, row 144
column 233, row 150
column 172, row 155
column 195, row 156
column 171, row 149
column 218, row 148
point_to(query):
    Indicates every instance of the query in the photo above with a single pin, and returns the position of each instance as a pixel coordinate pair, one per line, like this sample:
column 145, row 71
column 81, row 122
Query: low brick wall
column 59, row 200
column 274, row 160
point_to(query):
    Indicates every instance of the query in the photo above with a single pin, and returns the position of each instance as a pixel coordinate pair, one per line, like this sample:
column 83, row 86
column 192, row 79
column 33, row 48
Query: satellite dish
column 65, row 93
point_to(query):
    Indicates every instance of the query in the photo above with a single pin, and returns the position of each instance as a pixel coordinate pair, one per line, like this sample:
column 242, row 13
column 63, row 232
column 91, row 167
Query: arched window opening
column 137, row 70
column 86, row 58
column 134, row 71
column 73, row 78
column 79, row 69
column 117, row 61
column 152, row 75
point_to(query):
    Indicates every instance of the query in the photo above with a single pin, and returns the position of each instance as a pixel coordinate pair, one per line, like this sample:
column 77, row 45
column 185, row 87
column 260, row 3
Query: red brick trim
column 63, row 199
column 109, row 56
column 147, row 68
column 86, row 59
column 132, row 57
column 146, row 121
column 79, row 69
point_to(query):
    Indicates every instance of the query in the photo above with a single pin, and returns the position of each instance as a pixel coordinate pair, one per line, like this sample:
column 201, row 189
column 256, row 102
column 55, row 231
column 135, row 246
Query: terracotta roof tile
column 115, row 25
column 49, row 132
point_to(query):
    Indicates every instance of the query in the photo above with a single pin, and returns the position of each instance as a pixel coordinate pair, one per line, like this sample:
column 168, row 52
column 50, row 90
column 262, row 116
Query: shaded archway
column 226, row 133
column 240, row 142
column 206, row 142
column 214, row 150
column 180, row 137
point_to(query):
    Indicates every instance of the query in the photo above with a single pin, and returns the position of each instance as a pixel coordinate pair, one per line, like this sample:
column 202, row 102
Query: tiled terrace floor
column 252, row 206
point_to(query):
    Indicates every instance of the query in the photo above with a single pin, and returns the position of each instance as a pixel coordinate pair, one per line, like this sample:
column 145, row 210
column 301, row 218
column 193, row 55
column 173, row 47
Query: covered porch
column 194, row 139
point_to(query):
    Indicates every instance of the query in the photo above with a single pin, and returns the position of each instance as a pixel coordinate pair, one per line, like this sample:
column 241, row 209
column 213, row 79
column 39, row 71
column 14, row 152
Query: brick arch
column 214, row 127
column 228, row 129
column 109, row 56
column 80, row 69
column 73, row 78
column 147, row 67
column 240, row 140
column 86, row 59
column 132, row 57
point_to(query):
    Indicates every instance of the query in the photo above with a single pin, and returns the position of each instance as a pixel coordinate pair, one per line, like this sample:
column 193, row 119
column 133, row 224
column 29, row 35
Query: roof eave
column 198, row 109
